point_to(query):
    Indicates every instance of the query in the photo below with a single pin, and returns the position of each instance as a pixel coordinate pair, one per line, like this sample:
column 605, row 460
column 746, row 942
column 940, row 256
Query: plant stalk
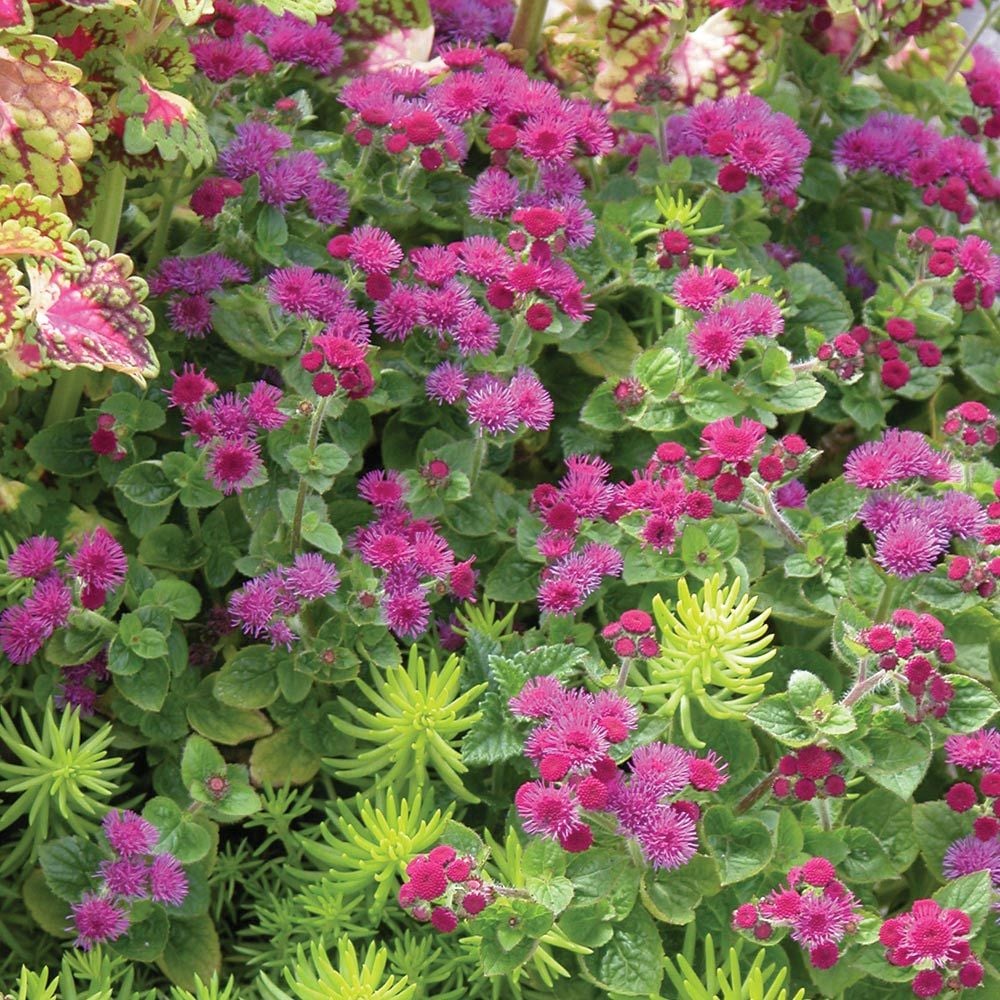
column 527, row 27
column 478, row 455
column 970, row 43
column 300, row 499
column 779, row 521
column 65, row 398
column 162, row 232
column 755, row 793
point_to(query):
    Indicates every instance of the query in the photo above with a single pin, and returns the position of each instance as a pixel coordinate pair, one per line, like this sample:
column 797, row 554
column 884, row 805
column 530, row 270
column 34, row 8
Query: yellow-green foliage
column 711, row 648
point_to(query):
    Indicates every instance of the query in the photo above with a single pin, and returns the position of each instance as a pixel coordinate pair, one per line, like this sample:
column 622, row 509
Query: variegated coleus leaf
column 307, row 10
column 32, row 226
column 637, row 40
column 13, row 296
column 191, row 11
column 720, row 58
column 42, row 116
column 164, row 121
column 15, row 15
column 94, row 318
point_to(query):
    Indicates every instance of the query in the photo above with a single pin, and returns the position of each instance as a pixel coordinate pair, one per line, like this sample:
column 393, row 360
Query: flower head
column 34, row 558
column 97, row 919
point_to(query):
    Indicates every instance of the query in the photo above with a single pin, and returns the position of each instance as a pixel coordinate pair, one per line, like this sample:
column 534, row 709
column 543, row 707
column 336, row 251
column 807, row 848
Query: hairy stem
column 779, row 521
column 65, row 398
column 755, row 793
column 478, row 455
column 300, row 499
column 162, row 231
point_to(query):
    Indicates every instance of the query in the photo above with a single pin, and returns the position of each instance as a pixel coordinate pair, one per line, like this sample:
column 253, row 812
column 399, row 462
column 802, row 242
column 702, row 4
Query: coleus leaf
column 636, row 42
column 306, row 10
column 164, row 121
column 31, row 226
column 13, row 296
column 190, row 11
column 721, row 57
column 42, row 116
column 15, row 15
column 92, row 319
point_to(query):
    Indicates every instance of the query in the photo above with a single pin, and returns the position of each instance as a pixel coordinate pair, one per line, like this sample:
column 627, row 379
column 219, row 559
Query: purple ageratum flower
column 222, row 59
column 475, row 332
column 301, row 291
column 197, row 275
column 970, row 854
column 234, row 466
column 167, row 881
column 129, row 834
column 254, row 147
column 191, row 315
column 99, row 562
column 125, row 877
column 669, row 838
column 494, row 194
column 700, row 289
column 96, row 920
column 532, row 403
column 974, row 750
column 315, row 45
column 311, row 577
column 660, row 769
column 328, row 202
column 399, row 313
column 382, row 488
column 407, row 613
column 262, row 406
column 548, row 810
column 792, row 495
column 911, row 545
column 34, row 558
column 962, row 515
column 492, row 407
column 290, row 179
column 20, row 636
column 50, row 604
column 374, row 251
column 897, row 456
column 252, row 607
column 715, row 342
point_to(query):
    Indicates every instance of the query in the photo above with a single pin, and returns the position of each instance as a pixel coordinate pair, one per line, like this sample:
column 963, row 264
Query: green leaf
column 901, row 753
column 64, row 448
column 867, row 860
column 144, row 941
column 179, row 598
column 222, row 723
column 192, row 950
column 972, row 706
column 890, row 819
column 168, row 546
column 631, row 963
column 673, row 896
column 776, row 717
column 512, row 579
column 147, row 485
column 200, row 761
column 182, row 833
column 50, row 912
column 936, row 827
column 805, row 393
column 249, row 679
column 494, row 738
column 657, row 370
column 148, row 686
column 804, row 690
column 601, row 875
column 971, row 893
column 69, row 865
column 740, row 845
column 820, row 303
column 282, row 759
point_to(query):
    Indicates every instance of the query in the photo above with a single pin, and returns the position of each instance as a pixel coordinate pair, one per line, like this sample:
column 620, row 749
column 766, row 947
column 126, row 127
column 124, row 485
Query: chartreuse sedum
column 418, row 716
column 712, row 647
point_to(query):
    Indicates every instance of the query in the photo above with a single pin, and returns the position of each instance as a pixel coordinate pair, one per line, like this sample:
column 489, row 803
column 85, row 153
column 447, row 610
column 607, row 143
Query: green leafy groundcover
column 498, row 507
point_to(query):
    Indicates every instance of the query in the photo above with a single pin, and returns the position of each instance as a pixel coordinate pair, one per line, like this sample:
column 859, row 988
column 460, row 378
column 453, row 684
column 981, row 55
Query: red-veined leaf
column 31, row 226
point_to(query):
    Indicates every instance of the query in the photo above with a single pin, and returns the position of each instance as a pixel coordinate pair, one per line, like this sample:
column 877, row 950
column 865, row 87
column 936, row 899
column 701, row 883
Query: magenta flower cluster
column 816, row 907
column 810, row 772
column 935, row 942
column 268, row 606
column 970, row 262
column 247, row 40
column 979, row 570
column 570, row 743
column 945, row 170
column 411, row 557
column 911, row 649
column 135, row 872
column 893, row 356
column 227, row 426
column 75, row 691
column 190, row 282
column 748, row 139
column 443, row 887
column 983, row 81
column 97, row 567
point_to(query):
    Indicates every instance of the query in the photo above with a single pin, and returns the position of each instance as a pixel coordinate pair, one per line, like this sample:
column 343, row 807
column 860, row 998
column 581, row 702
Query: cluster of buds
column 104, row 440
column 817, row 908
column 934, row 941
column 444, row 887
column 980, row 571
column 338, row 362
column 983, row 81
column 848, row 353
column 632, row 635
column 674, row 249
column 971, row 429
column 809, row 773
column 912, row 648
column 628, row 393
column 971, row 262
column 977, row 752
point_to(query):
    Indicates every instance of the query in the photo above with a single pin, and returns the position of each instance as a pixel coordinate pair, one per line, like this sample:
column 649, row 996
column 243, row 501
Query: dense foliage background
column 498, row 502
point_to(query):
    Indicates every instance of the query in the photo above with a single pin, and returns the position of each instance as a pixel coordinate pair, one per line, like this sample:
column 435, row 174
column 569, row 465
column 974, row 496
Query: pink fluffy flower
column 97, row 919
column 99, row 561
column 234, row 465
column 374, row 251
column 167, row 881
column 549, row 810
column 731, row 442
column 311, row 577
column 715, row 342
column 34, row 558
column 700, row 289
column 128, row 833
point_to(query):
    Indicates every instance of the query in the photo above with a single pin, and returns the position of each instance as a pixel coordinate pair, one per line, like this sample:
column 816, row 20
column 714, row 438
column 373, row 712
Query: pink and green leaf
column 42, row 117
column 31, row 226
column 164, row 121
column 95, row 318
column 13, row 296
column 15, row 15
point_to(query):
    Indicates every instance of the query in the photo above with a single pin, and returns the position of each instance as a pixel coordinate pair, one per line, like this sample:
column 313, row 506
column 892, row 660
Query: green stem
column 65, row 398
column 478, row 454
column 194, row 523
column 528, row 26
column 823, row 808
column 169, row 199
column 973, row 38
column 623, row 675
column 782, row 526
column 755, row 793
column 885, row 603
column 300, row 499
